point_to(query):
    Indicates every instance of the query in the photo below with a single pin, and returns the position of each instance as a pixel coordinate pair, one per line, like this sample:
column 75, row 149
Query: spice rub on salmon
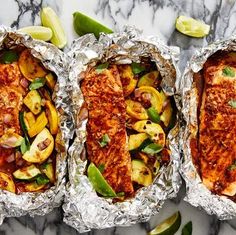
column 217, row 129
column 105, row 102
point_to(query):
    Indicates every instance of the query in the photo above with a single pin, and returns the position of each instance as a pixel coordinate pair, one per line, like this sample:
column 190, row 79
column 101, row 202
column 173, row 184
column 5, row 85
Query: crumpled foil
column 83, row 209
column 56, row 61
column 197, row 193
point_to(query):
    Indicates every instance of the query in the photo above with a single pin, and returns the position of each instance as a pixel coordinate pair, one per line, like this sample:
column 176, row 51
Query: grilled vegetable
column 152, row 149
column 167, row 114
column 50, row 81
column 47, row 169
column 156, row 99
column 52, row 116
column 10, row 139
column 136, row 140
column 30, row 67
column 136, row 110
column 38, row 126
column 9, row 57
column 33, row 101
column 141, row 174
column 41, row 148
column 127, row 79
column 33, row 186
column 148, row 79
column 26, row 173
column 37, row 83
column 154, row 130
column 29, row 119
column 7, row 183
column 153, row 115
column 99, row 183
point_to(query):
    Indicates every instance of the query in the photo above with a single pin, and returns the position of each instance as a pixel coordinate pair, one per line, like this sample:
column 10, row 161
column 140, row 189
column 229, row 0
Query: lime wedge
column 50, row 19
column 191, row 27
column 38, row 32
column 84, row 24
column 169, row 226
column 99, row 183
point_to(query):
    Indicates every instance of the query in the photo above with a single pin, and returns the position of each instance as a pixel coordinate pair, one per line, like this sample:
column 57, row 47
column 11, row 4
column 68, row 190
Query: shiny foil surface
column 196, row 192
column 56, row 61
column 83, row 208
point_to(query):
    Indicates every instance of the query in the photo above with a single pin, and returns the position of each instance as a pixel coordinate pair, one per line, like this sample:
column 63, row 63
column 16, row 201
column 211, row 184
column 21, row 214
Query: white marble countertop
column 154, row 17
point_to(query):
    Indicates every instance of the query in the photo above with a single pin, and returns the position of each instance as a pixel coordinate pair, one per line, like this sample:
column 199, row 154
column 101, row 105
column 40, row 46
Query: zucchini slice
column 26, row 173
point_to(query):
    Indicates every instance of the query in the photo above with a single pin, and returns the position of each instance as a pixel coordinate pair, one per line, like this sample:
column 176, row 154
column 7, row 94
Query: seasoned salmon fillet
column 105, row 102
column 217, row 129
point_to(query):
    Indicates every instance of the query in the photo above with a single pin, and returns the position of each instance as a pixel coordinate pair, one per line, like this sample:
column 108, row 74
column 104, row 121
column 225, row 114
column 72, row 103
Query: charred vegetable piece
column 37, row 83
column 10, row 139
column 167, row 114
column 127, row 79
column 156, row 167
column 9, row 57
column 148, row 79
column 39, row 125
column 41, row 148
column 29, row 119
column 30, row 67
column 59, row 144
column 136, row 140
column 33, row 187
column 50, row 81
column 156, row 99
column 136, row 110
column 33, row 101
column 154, row 130
column 26, row 173
column 99, row 183
column 47, row 169
column 141, row 174
column 7, row 183
column 52, row 116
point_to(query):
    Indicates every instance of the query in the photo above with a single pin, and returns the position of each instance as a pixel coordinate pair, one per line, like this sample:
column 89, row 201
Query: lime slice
column 99, row 183
column 169, row 226
column 84, row 24
column 191, row 27
column 38, row 32
column 50, row 19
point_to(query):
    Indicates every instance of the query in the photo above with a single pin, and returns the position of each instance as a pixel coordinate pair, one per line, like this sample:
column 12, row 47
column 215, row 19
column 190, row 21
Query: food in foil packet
column 209, row 137
column 124, row 160
column 129, row 116
column 29, row 130
column 34, row 125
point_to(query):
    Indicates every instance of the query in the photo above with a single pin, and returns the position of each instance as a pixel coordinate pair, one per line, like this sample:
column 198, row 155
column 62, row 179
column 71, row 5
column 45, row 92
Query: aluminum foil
column 85, row 210
column 197, row 193
column 56, row 61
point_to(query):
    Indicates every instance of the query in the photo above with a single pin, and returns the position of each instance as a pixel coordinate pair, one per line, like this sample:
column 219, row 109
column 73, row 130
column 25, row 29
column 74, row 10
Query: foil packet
column 56, row 61
column 84, row 209
column 197, row 193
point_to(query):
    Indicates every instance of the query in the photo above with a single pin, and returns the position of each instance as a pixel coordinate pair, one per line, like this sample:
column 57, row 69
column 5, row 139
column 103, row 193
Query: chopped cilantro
column 228, row 72
column 104, row 140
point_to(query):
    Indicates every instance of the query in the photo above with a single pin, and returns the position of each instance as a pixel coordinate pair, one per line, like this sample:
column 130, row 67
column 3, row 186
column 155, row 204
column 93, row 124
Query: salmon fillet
column 217, row 129
column 11, row 99
column 107, row 111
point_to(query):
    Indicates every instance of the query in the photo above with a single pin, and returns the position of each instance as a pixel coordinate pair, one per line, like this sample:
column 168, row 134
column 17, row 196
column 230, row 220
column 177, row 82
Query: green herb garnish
column 101, row 67
column 187, row 229
column 232, row 103
column 104, row 140
column 137, row 68
column 9, row 56
column 153, row 115
column 41, row 179
column 152, row 149
column 228, row 72
column 101, row 168
column 37, row 83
